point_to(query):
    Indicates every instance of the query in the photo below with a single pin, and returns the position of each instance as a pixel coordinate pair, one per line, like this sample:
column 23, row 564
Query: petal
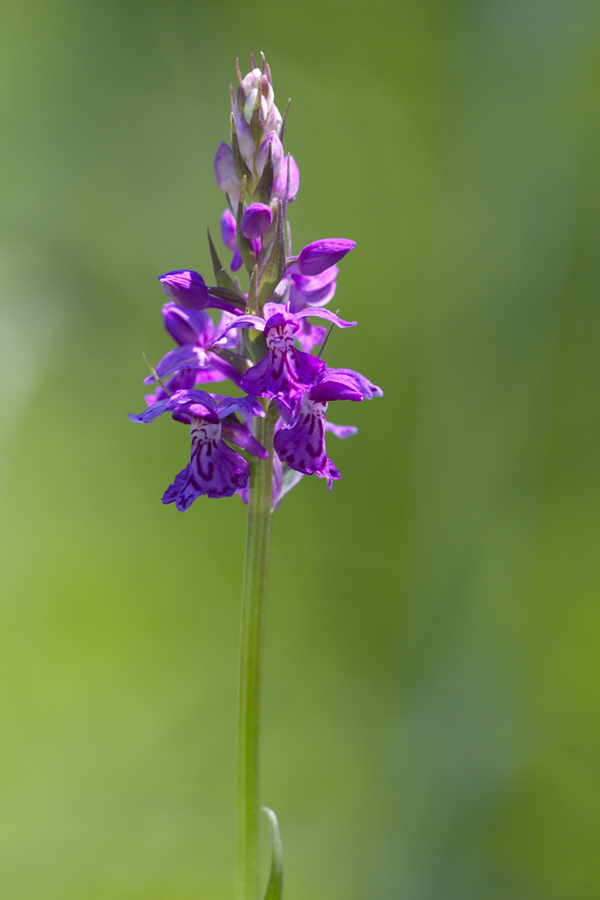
column 217, row 370
column 216, row 475
column 246, row 322
column 316, row 282
column 229, row 405
column 325, row 314
column 257, row 379
column 310, row 335
column 316, row 290
column 245, row 440
column 341, row 431
column 237, row 262
column 186, row 357
column 309, row 367
column 344, row 384
column 302, row 445
column 151, row 413
column 188, row 326
column 192, row 396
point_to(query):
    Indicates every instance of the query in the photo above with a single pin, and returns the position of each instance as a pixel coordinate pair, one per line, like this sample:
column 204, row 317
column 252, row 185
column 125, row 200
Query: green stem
column 254, row 598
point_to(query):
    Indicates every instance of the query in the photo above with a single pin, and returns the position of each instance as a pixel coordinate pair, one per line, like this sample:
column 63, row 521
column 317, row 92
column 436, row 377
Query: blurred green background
column 431, row 708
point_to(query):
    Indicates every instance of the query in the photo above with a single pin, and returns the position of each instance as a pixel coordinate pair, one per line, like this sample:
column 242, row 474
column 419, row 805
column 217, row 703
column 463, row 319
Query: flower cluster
column 263, row 342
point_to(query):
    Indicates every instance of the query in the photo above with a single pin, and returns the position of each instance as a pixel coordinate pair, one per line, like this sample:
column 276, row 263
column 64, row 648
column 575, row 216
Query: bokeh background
column 431, row 707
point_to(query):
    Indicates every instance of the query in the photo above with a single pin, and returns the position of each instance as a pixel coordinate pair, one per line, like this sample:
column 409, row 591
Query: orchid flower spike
column 268, row 337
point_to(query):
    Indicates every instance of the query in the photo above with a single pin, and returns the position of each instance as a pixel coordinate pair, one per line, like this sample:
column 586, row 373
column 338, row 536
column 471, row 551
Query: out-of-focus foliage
column 431, row 726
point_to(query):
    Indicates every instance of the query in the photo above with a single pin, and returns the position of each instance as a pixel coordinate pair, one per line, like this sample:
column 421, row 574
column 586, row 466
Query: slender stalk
column 258, row 539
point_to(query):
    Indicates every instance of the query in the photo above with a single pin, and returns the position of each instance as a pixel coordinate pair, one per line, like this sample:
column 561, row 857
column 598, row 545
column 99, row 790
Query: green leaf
column 223, row 279
column 274, row 889
column 282, row 129
column 233, row 297
column 242, row 242
column 252, row 293
column 274, row 267
column 264, row 188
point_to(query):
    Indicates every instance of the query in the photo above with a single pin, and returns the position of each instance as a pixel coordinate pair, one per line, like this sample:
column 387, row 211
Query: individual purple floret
column 301, row 443
column 214, row 468
column 199, row 345
column 285, row 371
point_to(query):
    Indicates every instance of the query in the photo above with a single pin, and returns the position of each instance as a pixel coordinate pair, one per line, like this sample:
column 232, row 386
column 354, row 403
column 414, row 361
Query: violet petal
column 245, row 440
column 151, row 413
column 344, row 384
column 188, row 326
column 325, row 314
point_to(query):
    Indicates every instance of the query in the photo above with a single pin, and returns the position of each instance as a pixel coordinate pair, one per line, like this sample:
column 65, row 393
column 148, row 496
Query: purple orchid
column 277, row 369
column 200, row 344
column 301, row 443
column 214, row 468
column 284, row 371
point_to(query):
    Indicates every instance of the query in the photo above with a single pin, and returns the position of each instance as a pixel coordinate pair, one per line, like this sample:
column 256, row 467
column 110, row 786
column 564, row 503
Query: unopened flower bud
column 228, row 229
column 225, row 173
column 186, row 288
column 281, row 187
column 274, row 120
column 245, row 140
column 276, row 155
column 256, row 220
column 321, row 255
column 257, row 89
